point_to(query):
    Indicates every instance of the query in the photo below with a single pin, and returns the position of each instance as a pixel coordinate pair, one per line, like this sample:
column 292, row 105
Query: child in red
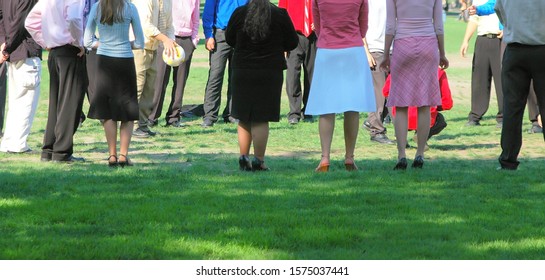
column 438, row 122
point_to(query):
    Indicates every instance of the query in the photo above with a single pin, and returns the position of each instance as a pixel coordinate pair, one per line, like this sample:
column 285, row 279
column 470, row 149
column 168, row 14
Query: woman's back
column 414, row 18
column 340, row 23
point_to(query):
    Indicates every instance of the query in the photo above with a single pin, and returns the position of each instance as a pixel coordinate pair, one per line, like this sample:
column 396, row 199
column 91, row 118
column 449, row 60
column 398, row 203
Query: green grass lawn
column 186, row 199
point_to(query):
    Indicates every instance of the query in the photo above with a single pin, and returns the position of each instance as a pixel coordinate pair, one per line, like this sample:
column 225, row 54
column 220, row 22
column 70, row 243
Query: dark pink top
column 340, row 23
column 412, row 18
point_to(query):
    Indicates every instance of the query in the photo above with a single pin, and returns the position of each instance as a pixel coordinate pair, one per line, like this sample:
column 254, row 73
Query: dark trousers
column 179, row 78
column 521, row 65
column 486, row 66
column 379, row 79
column 3, row 92
column 67, row 82
column 212, row 95
column 304, row 55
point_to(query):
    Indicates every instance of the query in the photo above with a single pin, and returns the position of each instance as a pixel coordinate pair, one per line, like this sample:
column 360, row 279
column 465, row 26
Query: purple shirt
column 411, row 18
column 340, row 23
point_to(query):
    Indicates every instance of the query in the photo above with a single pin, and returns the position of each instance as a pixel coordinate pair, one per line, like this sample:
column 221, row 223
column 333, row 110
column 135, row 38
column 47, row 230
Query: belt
column 489, row 36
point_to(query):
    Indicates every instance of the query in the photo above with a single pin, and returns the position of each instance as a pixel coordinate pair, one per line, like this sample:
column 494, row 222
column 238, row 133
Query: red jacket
column 296, row 11
column 446, row 100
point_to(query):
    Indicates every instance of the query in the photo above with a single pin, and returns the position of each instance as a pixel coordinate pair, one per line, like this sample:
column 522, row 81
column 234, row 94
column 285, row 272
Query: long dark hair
column 258, row 19
column 111, row 11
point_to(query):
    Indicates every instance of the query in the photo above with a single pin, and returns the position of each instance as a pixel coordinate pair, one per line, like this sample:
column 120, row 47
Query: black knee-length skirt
column 256, row 94
column 115, row 96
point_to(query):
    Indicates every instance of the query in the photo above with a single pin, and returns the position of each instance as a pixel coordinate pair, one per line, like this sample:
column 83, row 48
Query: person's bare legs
column 400, row 126
column 351, row 126
column 110, row 129
column 260, row 137
column 244, row 138
column 326, row 127
column 125, row 134
column 423, row 129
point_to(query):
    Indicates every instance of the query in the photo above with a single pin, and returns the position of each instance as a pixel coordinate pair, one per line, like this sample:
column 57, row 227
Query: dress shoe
column 418, row 162
column 244, row 163
column 70, row 159
column 230, row 120
column 259, row 165
column 535, row 129
column 382, row 139
column 293, row 121
column 473, row 123
column 367, row 126
column 143, row 133
column 401, row 164
column 308, row 118
column 21, row 152
column 207, row 123
column 178, row 124
column 152, row 123
column 123, row 161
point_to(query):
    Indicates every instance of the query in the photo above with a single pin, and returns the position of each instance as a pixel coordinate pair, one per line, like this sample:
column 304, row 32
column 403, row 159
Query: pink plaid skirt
column 414, row 80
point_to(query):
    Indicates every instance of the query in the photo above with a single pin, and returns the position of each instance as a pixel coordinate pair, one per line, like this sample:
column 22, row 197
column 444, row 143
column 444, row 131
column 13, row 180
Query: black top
column 19, row 44
column 267, row 53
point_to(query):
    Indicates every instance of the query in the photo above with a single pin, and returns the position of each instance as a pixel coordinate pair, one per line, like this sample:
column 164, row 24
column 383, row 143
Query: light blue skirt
column 341, row 82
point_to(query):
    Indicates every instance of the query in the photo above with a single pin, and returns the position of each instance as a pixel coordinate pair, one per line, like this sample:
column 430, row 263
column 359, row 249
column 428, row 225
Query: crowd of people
column 344, row 50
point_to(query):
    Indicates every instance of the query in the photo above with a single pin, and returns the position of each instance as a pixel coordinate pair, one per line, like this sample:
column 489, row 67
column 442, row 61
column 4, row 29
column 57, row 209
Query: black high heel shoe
column 124, row 163
column 418, row 162
column 258, row 165
column 113, row 163
column 401, row 164
column 244, row 163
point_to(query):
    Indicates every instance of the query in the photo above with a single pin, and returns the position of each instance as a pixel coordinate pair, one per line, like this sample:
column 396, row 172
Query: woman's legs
column 125, row 134
column 260, row 136
column 351, row 126
column 326, row 128
column 423, row 129
column 401, row 126
column 244, row 137
column 110, row 128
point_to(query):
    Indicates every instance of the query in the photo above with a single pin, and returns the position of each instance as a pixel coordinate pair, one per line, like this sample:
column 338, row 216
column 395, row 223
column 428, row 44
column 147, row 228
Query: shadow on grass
column 208, row 209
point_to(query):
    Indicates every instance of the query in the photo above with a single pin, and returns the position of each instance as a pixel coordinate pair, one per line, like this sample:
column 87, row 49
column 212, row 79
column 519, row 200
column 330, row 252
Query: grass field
column 186, row 199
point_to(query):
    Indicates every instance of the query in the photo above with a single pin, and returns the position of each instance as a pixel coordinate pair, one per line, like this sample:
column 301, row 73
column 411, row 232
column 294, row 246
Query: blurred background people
column 300, row 58
column 23, row 58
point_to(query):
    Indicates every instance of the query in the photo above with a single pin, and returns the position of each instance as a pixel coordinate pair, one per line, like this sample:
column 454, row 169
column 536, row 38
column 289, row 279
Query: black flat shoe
column 113, row 163
column 259, row 165
column 123, row 163
column 244, row 163
column 401, row 164
column 418, row 162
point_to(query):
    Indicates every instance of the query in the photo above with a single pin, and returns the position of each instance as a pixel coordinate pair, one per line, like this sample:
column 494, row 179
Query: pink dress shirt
column 55, row 23
column 412, row 18
column 340, row 23
column 185, row 18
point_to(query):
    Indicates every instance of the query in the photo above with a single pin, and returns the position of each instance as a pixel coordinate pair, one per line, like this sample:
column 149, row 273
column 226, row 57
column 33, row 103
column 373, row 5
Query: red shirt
column 296, row 11
column 446, row 100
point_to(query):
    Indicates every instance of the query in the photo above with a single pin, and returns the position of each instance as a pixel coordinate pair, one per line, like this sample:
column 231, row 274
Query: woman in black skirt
column 260, row 33
column 115, row 96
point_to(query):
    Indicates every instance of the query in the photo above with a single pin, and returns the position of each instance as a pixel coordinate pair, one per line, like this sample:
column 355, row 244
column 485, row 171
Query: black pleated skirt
column 115, row 96
column 256, row 94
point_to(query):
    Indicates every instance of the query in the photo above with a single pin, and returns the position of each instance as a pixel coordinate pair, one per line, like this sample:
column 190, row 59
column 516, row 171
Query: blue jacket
column 216, row 14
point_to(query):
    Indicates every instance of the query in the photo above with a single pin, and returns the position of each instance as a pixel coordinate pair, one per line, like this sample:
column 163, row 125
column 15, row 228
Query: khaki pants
column 146, row 73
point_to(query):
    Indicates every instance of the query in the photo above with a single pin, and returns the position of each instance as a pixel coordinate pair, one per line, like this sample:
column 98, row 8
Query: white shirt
column 377, row 25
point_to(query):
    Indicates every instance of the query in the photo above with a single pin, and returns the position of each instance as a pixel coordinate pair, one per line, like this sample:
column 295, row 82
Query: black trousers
column 521, row 65
column 179, row 78
column 67, row 85
column 212, row 95
column 3, row 92
column 304, row 55
column 486, row 66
